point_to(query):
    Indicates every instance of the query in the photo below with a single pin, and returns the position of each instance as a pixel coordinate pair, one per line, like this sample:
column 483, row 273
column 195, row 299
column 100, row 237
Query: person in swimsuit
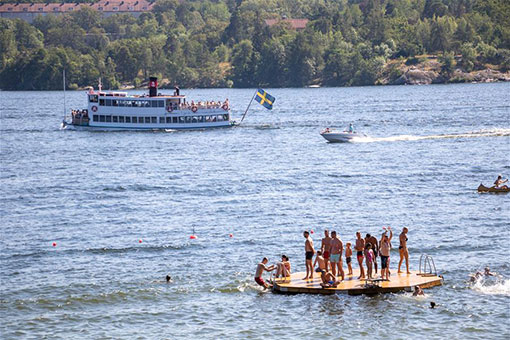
column 309, row 252
column 360, row 247
column 326, row 247
column 384, row 248
column 261, row 267
column 348, row 257
column 337, row 249
column 375, row 248
column 283, row 267
column 369, row 260
column 404, row 253
column 418, row 291
column 328, row 279
column 319, row 259
column 499, row 181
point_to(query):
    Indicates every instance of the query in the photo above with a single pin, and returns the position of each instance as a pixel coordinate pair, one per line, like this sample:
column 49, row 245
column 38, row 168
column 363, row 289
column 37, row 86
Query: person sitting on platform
column 498, row 183
column 319, row 259
column 329, row 280
column 283, row 267
column 261, row 267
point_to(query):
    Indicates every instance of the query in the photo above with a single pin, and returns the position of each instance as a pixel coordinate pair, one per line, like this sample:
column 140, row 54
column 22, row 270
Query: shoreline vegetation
column 229, row 43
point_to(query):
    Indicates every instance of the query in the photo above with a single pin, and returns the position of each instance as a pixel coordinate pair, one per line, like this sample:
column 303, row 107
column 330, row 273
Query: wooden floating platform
column 353, row 286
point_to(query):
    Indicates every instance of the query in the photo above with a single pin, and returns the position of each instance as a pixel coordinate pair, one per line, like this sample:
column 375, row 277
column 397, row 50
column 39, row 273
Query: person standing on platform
column 375, row 248
column 404, row 252
column 360, row 248
column 337, row 248
column 326, row 247
column 384, row 248
column 309, row 252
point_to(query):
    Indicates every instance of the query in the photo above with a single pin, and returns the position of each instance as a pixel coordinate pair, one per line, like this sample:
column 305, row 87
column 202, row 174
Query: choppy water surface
column 97, row 194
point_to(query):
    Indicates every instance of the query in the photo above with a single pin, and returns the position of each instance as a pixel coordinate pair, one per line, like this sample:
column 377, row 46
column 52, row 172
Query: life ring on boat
column 94, row 108
column 169, row 108
column 194, row 108
column 225, row 107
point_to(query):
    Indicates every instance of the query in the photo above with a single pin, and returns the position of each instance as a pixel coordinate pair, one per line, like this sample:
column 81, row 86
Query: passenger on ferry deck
column 309, row 252
column 404, row 252
column 336, row 255
column 360, row 247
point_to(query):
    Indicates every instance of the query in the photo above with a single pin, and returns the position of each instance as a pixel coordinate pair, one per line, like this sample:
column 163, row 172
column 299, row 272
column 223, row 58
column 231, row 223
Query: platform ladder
column 427, row 266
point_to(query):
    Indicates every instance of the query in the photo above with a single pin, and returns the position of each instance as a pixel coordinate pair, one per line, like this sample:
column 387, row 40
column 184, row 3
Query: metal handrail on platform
column 427, row 260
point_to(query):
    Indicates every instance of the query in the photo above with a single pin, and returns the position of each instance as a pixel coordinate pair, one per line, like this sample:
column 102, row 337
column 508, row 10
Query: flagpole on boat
column 245, row 112
column 64, row 85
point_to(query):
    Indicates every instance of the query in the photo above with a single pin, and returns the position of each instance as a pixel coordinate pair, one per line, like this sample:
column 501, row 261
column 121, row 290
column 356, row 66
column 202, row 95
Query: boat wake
column 474, row 134
column 497, row 286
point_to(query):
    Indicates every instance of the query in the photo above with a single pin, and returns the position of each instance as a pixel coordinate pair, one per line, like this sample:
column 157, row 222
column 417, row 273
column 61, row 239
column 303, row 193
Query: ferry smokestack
column 153, row 87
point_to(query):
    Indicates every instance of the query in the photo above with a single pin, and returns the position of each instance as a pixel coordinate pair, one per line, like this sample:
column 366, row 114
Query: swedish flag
column 265, row 99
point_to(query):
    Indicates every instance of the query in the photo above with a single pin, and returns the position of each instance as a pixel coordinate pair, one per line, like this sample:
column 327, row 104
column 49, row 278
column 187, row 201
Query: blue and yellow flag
column 265, row 99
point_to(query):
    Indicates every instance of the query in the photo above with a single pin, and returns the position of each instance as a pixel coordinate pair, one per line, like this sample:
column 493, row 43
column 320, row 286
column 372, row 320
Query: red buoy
column 140, row 241
column 231, row 235
column 311, row 231
column 192, row 237
column 54, row 244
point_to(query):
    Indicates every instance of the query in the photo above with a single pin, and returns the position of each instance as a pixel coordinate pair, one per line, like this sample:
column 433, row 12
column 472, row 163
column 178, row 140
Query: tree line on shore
column 225, row 43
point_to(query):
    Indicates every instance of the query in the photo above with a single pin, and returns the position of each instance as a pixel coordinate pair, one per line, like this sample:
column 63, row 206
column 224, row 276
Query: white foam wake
column 492, row 287
column 473, row 134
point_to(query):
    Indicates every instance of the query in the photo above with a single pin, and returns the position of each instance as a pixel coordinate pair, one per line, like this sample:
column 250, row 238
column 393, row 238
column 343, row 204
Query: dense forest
column 225, row 43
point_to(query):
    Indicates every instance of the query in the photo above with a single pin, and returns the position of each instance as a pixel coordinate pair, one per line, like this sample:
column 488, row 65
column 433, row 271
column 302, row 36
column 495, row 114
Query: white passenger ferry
column 118, row 110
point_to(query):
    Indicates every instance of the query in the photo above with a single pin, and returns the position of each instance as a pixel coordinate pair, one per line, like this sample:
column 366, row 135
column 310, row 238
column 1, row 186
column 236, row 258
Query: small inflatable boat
column 483, row 188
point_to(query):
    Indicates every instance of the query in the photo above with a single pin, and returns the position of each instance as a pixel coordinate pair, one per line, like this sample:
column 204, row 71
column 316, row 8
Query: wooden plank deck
column 352, row 286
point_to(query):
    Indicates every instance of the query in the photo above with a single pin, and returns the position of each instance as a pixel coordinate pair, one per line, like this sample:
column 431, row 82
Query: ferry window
column 128, row 119
column 161, row 120
column 147, row 103
column 115, row 119
column 225, row 117
column 115, row 102
column 194, row 120
column 134, row 119
column 147, row 120
column 93, row 98
column 181, row 120
column 101, row 102
column 95, row 118
column 161, row 103
column 154, row 103
column 174, row 120
column 108, row 119
column 101, row 118
column 121, row 119
column 154, row 120
column 188, row 119
column 201, row 119
column 220, row 118
column 108, row 102
column 168, row 120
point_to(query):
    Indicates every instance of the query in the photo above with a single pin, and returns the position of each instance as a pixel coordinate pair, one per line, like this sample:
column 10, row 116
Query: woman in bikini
column 404, row 253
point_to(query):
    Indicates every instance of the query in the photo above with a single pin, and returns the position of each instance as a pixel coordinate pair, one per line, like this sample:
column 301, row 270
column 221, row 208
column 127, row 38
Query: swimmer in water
column 418, row 291
column 487, row 272
column 168, row 279
column 432, row 304
column 261, row 267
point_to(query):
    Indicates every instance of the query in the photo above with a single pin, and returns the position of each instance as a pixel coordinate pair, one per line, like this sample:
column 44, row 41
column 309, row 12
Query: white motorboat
column 334, row 136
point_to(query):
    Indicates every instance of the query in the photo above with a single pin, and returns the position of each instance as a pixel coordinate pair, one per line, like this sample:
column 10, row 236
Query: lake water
column 98, row 194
